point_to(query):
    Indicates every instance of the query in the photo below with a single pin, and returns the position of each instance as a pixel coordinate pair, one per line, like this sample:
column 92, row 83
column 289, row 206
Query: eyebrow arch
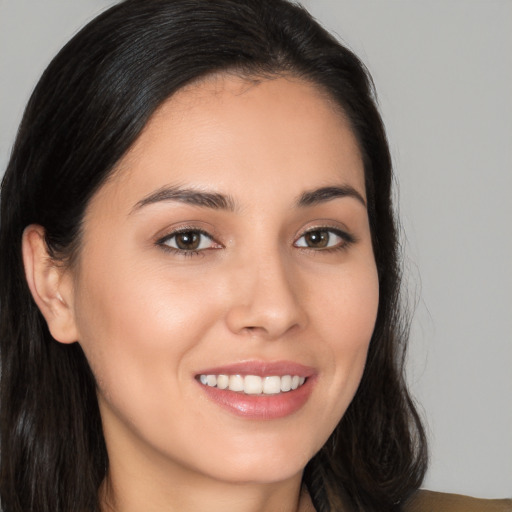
column 191, row 196
column 324, row 194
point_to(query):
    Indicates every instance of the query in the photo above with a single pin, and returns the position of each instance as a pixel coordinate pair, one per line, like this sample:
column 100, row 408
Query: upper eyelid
column 187, row 230
column 335, row 229
column 169, row 233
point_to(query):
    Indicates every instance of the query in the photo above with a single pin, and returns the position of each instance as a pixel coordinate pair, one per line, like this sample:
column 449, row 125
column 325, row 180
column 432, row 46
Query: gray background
column 443, row 71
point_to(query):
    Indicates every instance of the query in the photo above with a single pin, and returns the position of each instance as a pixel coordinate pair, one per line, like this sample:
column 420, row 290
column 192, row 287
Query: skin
column 150, row 319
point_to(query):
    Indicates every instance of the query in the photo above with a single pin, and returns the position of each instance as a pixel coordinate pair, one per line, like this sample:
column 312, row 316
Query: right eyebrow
column 324, row 194
column 191, row 196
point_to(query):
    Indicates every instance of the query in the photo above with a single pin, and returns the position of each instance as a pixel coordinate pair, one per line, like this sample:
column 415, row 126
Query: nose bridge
column 266, row 299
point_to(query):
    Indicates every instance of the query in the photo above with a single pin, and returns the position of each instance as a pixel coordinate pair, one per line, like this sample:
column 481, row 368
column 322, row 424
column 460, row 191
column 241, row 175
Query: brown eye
column 324, row 238
column 188, row 241
column 317, row 239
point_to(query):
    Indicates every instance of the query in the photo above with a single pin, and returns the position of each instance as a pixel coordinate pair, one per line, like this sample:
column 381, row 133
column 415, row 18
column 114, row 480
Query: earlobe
column 50, row 285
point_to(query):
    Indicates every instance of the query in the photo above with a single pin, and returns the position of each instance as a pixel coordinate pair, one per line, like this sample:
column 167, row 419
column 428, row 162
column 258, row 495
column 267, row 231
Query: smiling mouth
column 253, row 384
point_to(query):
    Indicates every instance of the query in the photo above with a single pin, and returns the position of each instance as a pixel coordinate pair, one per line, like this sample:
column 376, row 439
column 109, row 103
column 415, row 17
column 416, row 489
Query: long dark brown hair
column 87, row 110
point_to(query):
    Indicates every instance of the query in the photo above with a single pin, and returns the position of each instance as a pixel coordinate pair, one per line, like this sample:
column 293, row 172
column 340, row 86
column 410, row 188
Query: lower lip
column 261, row 407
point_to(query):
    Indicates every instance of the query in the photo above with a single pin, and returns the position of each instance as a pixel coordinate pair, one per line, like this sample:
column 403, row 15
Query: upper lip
column 261, row 368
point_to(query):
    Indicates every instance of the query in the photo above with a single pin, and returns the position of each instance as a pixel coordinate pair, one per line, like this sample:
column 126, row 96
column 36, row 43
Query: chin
column 265, row 471
column 260, row 463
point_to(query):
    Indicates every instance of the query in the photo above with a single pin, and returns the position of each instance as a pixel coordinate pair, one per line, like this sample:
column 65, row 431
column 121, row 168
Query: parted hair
column 87, row 110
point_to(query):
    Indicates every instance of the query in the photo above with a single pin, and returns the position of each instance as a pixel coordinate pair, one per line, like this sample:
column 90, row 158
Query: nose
column 266, row 299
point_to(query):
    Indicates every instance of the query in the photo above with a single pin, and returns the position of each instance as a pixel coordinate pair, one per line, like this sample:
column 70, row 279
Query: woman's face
column 232, row 241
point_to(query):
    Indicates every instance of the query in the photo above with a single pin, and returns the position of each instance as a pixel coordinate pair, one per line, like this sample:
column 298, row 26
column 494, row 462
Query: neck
column 122, row 492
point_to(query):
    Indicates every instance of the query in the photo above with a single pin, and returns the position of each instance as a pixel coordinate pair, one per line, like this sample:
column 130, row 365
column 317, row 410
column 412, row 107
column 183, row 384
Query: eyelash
column 162, row 242
column 347, row 241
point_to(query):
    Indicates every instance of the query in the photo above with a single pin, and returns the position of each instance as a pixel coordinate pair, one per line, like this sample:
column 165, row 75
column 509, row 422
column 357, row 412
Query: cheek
column 348, row 310
column 347, row 320
column 137, row 329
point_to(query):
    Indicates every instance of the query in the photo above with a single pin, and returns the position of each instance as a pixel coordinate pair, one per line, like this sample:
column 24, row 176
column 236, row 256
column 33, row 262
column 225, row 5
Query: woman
column 199, row 273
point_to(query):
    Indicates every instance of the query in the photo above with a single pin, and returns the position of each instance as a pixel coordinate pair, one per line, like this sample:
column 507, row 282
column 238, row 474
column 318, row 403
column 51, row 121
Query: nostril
column 261, row 318
column 256, row 330
column 253, row 328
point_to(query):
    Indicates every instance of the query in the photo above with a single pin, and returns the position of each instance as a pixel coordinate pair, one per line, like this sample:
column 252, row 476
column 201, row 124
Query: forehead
column 227, row 132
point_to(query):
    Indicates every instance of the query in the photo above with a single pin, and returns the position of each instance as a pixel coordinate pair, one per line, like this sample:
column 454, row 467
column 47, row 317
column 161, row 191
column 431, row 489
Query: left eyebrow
column 194, row 197
column 324, row 194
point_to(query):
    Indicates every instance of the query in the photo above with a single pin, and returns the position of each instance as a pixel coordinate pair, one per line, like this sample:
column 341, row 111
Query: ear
column 51, row 285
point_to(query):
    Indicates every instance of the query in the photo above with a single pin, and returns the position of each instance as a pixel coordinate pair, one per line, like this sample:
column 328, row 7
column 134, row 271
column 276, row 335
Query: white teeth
column 222, row 381
column 271, row 385
column 286, row 383
column 254, row 384
column 236, row 383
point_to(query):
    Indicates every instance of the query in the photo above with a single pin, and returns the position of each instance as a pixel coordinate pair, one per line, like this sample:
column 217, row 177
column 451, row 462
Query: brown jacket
column 429, row 501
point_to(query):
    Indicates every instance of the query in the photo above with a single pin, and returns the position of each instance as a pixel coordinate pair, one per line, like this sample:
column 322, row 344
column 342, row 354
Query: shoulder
column 430, row 501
